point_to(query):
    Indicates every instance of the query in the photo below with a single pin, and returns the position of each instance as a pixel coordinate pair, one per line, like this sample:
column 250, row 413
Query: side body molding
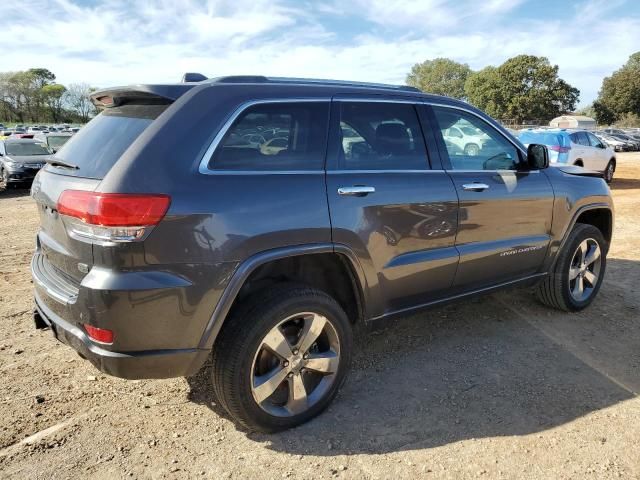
column 245, row 269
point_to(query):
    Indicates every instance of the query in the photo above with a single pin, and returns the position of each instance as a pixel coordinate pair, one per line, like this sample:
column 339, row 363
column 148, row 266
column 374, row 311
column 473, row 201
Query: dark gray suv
column 257, row 220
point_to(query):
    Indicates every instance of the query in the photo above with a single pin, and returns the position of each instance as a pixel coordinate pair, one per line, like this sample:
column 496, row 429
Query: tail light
column 99, row 335
column 111, row 217
column 559, row 149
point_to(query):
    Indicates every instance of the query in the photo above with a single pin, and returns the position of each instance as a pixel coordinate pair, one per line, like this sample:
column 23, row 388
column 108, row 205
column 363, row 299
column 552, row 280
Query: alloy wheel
column 295, row 365
column 585, row 269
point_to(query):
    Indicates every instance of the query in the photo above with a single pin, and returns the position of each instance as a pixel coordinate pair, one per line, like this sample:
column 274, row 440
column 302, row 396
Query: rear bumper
column 131, row 365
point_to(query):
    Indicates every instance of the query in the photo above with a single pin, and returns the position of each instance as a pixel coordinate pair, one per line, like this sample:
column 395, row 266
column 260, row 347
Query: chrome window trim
column 208, row 154
column 264, row 172
column 343, row 172
column 490, row 171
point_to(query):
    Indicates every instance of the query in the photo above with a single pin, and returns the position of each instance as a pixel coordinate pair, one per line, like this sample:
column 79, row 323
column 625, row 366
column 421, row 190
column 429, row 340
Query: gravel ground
column 494, row 387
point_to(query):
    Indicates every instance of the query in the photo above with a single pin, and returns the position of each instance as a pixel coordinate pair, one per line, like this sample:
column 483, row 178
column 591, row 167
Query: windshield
column 99, row 144
column 26, row 149
column 57, row 142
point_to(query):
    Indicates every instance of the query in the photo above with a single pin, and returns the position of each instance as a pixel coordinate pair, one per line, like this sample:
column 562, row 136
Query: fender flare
column 248, row 266
column 574, row 219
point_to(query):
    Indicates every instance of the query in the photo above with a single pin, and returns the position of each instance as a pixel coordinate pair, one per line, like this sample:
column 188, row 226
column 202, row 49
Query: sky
column 117, row 42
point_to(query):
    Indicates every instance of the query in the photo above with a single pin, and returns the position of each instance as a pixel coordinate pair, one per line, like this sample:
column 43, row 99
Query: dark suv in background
column 174, row 228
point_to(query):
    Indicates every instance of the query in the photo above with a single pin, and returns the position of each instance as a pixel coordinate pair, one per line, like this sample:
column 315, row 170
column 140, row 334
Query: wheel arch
column 300, row 264
column 600, row 215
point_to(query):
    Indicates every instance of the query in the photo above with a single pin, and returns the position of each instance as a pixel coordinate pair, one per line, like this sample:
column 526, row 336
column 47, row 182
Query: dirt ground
column 497, row 387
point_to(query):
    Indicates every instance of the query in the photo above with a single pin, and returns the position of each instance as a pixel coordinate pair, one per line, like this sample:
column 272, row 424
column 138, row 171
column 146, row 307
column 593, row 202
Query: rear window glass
column 26, row 149
column 275, row 136
column 100, row 143
column 544, row 138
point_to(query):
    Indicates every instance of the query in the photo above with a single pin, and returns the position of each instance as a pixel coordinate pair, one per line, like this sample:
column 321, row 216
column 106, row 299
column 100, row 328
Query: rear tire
column 578, row 272
column 270, row 370
column 609, row 171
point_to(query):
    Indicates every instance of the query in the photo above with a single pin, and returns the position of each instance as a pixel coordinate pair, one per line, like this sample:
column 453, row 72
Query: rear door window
column 580, row 138
column 275, row 137
column 99, row 144
column 380, row 136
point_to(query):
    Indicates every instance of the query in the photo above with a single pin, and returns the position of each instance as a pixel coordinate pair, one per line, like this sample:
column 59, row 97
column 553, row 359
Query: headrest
column 392, row 138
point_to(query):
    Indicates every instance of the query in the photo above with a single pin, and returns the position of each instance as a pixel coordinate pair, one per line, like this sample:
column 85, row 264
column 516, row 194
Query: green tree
column 441, row 76
column 522, row 88
column 78, row 100
column 628, row 120
column 53, row 97
column 620, row 93
column 603, row 115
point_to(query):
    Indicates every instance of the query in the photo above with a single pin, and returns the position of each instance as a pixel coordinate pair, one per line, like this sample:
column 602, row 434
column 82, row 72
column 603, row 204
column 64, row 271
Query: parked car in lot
column 467, row 138
column 20, row 160
column 574, row 147
column 633, row 144
column 54, row 141
column 611, row 142
column 151, row 259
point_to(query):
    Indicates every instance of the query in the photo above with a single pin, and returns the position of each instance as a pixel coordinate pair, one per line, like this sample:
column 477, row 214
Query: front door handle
column 475, row 187
column 356, row 191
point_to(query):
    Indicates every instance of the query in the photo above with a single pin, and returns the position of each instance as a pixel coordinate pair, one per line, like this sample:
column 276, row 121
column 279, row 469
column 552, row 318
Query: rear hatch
column 557, row 144
column 63, row 257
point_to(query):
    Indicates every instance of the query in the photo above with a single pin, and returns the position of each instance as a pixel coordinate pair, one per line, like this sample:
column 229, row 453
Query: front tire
column 281, row 357
column 578, row 272
column 471, row 150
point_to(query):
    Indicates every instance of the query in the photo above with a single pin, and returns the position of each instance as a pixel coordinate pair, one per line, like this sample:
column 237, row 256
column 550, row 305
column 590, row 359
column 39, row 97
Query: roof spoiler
column 145, row 94
column 193, row 77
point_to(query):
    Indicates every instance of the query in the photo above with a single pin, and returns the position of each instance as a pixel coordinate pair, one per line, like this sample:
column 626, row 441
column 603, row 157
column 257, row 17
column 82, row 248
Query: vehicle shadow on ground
column 14, row 192
column 496, row 366
column 625, row 183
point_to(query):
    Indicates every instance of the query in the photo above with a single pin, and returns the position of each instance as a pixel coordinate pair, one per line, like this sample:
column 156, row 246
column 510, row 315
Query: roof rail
column 309, row 81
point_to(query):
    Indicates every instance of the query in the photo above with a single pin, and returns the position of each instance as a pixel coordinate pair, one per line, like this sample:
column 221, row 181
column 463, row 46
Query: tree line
column 33, row 96
column 528, row 87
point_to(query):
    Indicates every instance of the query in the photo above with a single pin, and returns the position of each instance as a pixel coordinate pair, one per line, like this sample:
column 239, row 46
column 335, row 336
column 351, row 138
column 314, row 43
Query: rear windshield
column 57, row 141
column 26, row 149
column 100, row 143
column 545, row 138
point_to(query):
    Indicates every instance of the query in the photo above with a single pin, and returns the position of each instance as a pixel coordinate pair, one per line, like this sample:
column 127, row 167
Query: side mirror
column 601, row 145
column 537, row 156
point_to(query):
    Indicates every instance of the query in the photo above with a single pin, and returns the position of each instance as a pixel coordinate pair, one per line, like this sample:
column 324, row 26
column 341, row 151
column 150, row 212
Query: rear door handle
column 475, row 186
column 356, row 191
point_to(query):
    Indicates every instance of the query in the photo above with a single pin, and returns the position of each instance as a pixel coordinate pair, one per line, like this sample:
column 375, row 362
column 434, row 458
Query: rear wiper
column 55, row 162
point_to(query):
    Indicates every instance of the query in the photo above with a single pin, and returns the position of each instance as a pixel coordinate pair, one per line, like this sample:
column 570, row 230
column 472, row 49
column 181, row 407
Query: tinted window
column 298, row 130
column 56, row 141
column 580, row 138
column 99, row 144
column 20, row 148
column 380, row 136
column 475, row 145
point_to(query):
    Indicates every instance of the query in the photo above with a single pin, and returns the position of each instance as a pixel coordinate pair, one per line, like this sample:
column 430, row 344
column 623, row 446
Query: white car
column 574, row 147
column 465, row 137
column 274, row 146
